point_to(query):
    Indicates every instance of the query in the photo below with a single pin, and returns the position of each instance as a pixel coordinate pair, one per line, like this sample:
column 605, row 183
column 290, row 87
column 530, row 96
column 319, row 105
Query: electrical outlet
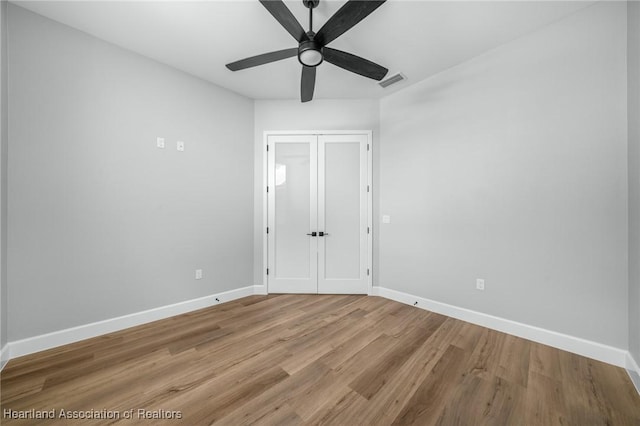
column 480, row 284
column 198, row 274
column 180, row 146
column 386, row 218
column 160, row 143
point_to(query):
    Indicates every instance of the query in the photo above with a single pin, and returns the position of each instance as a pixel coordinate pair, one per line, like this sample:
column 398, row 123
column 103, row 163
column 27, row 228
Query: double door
column 318, row 233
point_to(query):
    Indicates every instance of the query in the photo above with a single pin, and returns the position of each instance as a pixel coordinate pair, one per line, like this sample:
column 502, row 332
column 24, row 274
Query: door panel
column 342, row 214
column 292, row 204
column 342, row 210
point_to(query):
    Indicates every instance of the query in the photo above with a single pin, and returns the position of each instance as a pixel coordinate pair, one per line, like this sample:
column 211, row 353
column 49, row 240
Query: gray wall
column 633, row 111
column 3, row 172
column 512, row 167
column 321, row 114
column 102, row 222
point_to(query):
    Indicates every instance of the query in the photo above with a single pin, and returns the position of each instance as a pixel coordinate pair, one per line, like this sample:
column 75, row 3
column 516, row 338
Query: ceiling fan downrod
column 311, row 4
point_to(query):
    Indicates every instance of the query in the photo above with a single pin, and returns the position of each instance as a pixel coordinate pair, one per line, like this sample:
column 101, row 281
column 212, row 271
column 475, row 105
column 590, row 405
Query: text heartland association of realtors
column 138, row 414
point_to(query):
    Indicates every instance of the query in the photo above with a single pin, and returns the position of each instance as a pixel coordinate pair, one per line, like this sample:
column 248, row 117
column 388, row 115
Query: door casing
column 265, row 207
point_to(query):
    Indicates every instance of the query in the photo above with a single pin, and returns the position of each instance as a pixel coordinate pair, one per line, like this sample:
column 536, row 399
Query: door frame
column 265, row 205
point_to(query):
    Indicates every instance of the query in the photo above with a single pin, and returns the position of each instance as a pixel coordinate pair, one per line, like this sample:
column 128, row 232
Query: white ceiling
column 417, row 38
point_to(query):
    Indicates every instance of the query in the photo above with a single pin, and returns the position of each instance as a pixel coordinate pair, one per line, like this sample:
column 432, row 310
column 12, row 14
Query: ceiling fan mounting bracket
column 311, row 4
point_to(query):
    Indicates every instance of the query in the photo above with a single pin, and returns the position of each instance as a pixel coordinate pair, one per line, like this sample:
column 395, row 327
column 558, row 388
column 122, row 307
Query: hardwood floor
column 295, row 359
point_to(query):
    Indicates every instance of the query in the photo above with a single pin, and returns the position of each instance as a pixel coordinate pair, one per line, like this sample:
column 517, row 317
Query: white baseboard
column 577, row 345
column 260, row 289
column 634, row 371
column 74, row 334
column 4, row 356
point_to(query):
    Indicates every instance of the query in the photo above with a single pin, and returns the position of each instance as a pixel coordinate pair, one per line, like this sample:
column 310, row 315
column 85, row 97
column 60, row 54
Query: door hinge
column 367, row 147
column 267, row 189
column 368, row 230
column 367, row 271
column 267, row 271
column 267, row 147
column 367, row 188
column 267, row 229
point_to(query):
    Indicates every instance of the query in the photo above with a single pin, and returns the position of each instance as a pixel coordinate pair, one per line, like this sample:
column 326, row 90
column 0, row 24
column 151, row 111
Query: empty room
column 320, row 212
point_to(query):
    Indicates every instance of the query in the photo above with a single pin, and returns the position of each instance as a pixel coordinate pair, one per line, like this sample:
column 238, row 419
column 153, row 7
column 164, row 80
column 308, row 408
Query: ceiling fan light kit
column 312, row 47
column 310, row 53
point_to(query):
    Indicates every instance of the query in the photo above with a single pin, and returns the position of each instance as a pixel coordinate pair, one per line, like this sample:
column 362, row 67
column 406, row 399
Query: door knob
column 313, row 234
column 322, row 234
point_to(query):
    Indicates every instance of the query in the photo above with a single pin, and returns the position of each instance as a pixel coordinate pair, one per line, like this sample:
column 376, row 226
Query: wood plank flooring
column 298, row 359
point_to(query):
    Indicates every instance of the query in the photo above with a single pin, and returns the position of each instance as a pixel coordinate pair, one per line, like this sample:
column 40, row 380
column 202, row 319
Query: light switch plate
column 160, row 142
column 386, row 219
column 180, row 146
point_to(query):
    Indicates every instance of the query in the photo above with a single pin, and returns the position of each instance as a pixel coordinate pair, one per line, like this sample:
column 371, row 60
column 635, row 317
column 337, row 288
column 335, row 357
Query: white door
column 342, row 214
column 317, row 213
column 293, row 214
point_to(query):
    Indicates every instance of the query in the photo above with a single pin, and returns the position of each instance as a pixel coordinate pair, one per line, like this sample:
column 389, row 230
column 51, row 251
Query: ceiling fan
column 312, row 47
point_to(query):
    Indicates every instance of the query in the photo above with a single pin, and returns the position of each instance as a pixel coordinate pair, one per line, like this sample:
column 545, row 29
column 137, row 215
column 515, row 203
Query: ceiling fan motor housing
column 310, row 53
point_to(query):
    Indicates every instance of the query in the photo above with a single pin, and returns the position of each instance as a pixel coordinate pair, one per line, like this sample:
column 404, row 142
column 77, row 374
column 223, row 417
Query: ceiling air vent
column 392, row 80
